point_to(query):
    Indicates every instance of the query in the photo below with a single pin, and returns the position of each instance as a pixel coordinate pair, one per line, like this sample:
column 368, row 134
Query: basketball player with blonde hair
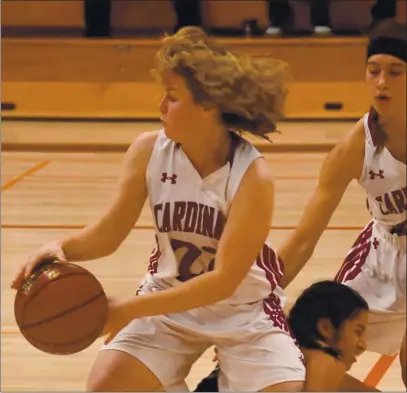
column 212, row 277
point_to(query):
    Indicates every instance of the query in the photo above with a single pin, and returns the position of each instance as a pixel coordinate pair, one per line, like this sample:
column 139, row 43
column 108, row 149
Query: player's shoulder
column 146, row 140
column 258, row 178
column 353, row 143
column 143, row 143
column 258, row 170
column 140, row 150
column 346, row 159
column 242, row 144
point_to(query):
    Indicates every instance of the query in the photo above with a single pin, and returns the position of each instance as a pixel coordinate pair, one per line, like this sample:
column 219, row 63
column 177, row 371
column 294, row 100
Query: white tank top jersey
column 384, row 179
column 189, row 215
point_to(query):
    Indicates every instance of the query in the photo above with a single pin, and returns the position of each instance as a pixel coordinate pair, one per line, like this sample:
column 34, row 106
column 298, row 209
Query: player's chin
column 351, row 362
column 382, row 108
column 169, row 132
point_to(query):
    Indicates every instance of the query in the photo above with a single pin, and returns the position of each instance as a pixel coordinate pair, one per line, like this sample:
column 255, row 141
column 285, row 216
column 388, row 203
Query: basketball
column 61, row 309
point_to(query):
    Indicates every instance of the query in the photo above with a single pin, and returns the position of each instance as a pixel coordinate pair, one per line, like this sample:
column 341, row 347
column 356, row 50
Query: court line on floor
column 25, row 174
column 379, row 370
column 75, row 226
column 69, row 147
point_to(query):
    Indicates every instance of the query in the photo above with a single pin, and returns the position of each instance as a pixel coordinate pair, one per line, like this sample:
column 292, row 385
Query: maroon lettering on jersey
column 158, row 208
column 179, row 214
column 191, row 217
column 400, row 199
column 167, row 218
column 208, row 218
column 199, row 224
column 220, row 223
column 393, row 202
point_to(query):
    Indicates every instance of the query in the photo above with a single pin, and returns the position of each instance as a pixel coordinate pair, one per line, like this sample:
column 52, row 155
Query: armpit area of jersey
column 399, row 229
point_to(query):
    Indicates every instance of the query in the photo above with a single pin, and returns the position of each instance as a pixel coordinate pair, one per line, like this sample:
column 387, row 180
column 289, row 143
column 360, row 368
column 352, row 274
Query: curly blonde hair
column 249, row 92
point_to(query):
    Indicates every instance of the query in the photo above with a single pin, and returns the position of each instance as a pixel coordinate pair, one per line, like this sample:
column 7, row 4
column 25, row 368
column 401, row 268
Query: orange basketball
column 61, row 308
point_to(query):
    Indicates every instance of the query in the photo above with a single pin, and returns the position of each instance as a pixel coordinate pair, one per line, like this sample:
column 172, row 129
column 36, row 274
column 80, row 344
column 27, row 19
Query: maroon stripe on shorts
column 356, row 257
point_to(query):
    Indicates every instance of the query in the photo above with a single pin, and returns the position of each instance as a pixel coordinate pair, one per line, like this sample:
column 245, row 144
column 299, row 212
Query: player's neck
column 208, row 151
column 396, row 128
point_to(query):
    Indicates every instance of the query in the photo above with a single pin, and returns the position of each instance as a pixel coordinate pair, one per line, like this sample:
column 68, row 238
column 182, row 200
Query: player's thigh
column 285, row 387
column 403, row 360
column 267, row 360
column 119, row 371
column 148, row 353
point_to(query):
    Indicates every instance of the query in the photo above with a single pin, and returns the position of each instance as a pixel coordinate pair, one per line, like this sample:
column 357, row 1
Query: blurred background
column 91, row 59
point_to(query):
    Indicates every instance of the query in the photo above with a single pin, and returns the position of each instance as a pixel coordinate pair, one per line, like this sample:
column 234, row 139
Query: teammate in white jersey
column 212, row 278
column 374, row 153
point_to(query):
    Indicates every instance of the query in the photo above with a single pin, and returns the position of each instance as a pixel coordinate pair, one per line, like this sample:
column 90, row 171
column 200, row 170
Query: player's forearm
column 294, row 259
column 86, row 245
column 200, row 291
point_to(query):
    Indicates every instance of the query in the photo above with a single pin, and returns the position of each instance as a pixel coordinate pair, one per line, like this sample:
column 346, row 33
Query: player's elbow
column 228, row 282
column 102, row 250
column 226, row 290
column 110, row 249
column 223, row 286
column 297, row 251
column 306, row 250
column 109, row 233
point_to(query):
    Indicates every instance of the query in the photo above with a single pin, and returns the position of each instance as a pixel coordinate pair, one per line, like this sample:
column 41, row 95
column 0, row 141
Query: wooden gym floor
column 49, row 194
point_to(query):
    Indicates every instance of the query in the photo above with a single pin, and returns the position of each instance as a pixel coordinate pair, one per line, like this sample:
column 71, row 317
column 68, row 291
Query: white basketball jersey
column 189, row 215
column 384, row 179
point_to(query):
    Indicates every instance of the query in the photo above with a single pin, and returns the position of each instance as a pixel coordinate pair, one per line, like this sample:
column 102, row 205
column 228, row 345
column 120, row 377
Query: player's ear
column 326, row 329
column 209, row 108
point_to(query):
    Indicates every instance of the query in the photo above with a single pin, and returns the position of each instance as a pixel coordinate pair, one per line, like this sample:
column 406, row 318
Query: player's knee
column 292, row 386
column 403, row 368
column 403, row 360
column 102, row 375
column 98, row 383
column 115, row 371
column 101, row 380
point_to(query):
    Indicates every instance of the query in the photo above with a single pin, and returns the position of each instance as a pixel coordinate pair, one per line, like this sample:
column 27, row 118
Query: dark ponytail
column 380, row 135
